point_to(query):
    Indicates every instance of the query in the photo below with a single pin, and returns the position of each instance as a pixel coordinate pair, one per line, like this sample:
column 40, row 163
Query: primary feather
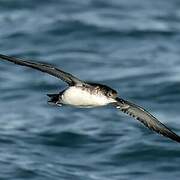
column 146, row 118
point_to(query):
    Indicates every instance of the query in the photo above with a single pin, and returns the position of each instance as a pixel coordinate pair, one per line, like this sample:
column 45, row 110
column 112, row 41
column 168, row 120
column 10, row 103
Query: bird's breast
column 78, row 96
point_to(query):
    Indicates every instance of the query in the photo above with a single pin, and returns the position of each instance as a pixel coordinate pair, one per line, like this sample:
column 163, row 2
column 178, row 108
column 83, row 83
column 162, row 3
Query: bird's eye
column 109, row 94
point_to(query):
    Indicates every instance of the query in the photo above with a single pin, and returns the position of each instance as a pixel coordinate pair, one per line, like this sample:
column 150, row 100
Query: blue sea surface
column 132, row 46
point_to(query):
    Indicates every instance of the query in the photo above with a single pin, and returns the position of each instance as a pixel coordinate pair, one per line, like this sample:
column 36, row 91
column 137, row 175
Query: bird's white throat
column 78, row 96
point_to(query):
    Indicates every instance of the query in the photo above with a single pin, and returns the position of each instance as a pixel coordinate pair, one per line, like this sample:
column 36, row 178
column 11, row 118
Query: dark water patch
column 67, row 28
column 138, row 33
column 7, row 140
column 20, row 4
column 25, row 173
column 16, row 35
column 145, row 158
column 66, row 139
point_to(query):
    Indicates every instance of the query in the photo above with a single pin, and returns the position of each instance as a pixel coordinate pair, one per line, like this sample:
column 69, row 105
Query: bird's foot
column 58, row 104
column 54, row 103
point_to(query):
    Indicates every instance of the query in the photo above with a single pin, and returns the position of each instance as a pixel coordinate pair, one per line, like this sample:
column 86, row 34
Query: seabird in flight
column 84, row 94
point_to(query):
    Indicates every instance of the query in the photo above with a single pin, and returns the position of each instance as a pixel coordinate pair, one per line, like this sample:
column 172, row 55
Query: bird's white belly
column 76, row 96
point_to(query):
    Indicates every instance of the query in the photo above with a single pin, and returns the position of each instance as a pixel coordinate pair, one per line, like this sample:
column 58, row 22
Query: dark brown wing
column 68, row 78
column 146, row 118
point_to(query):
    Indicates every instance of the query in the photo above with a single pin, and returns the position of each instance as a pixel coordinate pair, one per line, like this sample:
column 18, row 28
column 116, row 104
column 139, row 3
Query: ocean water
column 132, row 46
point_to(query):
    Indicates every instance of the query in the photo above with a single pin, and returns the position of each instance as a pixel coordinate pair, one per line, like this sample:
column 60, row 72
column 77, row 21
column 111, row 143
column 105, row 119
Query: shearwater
column 84, row 94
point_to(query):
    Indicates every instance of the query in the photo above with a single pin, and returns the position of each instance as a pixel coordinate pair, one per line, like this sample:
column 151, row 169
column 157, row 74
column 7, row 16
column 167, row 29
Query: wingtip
column 146, row 118
column 175, row 137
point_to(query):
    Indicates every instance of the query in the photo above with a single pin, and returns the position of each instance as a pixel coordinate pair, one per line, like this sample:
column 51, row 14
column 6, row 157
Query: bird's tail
column 54, row 98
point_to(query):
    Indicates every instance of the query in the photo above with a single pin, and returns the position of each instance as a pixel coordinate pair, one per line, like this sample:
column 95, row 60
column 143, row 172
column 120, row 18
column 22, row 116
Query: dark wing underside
column 68, row 78
column 146, row 118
